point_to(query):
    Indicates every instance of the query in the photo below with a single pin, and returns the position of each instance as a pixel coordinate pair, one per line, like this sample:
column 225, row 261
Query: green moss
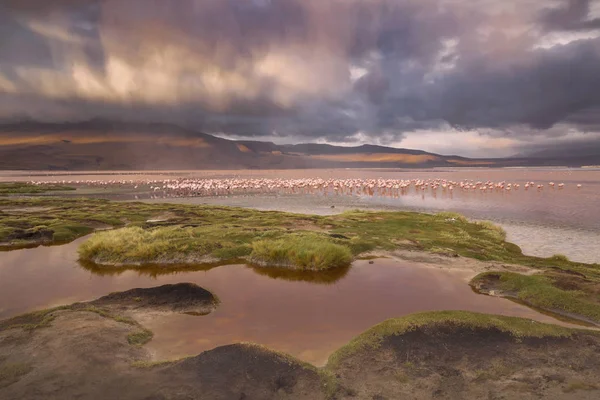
column 227, row 233
column 11, row 373
column 137, row 338
column 23, row 188
column 104, row 313
column 42, row 318
column 401, row 377
column 492, row 230
column 451, row 216
column 173, row 244
column 517, row 327
column 140, row 337
column 560, row 257
column 329, row 383
column 303, row 251
column 33, row 320
column 154, row 364
column 232, row 253
column 5, row 232
column 125, row 320
column 68, row 233
column 579, row 385
column 541, row 291
column 496, row 370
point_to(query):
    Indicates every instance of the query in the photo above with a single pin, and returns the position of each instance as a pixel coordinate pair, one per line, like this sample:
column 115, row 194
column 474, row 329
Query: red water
column 292, row 313
column 543, row 222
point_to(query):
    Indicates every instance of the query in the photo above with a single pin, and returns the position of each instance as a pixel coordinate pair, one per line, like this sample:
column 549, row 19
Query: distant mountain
column 579, row 150
column 114, row 145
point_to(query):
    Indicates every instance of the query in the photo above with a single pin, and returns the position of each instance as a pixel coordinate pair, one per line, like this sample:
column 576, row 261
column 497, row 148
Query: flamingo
column 191, row 187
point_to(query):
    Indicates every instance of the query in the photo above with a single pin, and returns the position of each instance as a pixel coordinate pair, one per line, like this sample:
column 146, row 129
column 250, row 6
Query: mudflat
column 91, row 351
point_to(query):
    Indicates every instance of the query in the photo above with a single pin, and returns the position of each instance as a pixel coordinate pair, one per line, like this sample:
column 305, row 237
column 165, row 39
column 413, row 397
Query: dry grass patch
column 135, row 245
column 301, row 251
column 543, row 291
column 140, row 337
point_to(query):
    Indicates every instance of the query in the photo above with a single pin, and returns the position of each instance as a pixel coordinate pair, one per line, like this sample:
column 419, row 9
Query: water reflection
column 155, row 271
column 543, row 222
column 312, row 321
column 307, row 315
column 150, row 270
column 323, row 277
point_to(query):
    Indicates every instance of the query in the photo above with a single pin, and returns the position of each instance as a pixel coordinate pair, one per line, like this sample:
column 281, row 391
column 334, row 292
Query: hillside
column 109, row 145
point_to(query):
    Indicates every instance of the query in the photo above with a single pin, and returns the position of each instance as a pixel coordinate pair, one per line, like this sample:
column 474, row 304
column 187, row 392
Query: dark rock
column 182, row 297
column 338, row 236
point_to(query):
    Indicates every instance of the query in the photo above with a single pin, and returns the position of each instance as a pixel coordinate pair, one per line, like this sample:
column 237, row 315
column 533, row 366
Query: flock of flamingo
column 382, row 187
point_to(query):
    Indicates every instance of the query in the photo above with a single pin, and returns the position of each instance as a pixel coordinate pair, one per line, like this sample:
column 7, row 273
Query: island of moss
column 555, row 290
column 450, row 354
column 170, row 237
column 25, row 188
column 464, row 355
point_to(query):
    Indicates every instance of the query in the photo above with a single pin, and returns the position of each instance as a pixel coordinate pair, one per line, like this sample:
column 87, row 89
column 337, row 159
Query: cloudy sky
column 468, row 77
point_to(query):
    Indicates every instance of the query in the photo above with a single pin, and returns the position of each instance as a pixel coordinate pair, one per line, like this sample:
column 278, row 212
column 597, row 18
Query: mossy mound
column 512, row 326
column 194, row 245
column 555, row 290
column 181, row 297
column 460, row 355
column 301, row 251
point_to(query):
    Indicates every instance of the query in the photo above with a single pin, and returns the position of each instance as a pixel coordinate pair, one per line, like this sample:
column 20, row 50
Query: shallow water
column 293, row 313
column 543, row 222
column 538, row 238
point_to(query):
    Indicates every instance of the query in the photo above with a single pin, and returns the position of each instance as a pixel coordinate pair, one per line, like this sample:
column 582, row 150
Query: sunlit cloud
column 447, row 75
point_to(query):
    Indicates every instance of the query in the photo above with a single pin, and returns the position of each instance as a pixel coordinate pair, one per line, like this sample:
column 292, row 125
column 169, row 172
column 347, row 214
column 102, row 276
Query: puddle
column 311, row 321
column 306, row 315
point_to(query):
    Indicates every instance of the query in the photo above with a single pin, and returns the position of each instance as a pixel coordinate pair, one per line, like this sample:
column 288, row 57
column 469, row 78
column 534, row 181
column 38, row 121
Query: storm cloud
column 307, row 70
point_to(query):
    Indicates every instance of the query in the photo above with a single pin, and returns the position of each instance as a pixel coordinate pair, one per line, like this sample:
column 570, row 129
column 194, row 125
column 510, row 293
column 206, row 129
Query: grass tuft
column 24, row 188
column 33, row 320
column 302, row 251
column 492, row 230
column 451, row 216
column 134, row 245
column 140, row 338
column 154, row 364
column 541, row 291
column 560, row 257
column 213, row 233
column 11, row 373
column 329, row 383
column 579, row 385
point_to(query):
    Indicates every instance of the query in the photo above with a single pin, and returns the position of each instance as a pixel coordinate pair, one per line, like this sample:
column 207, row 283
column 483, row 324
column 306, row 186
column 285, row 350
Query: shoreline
column 423, row 350
column 113, row 330
column 534, row 239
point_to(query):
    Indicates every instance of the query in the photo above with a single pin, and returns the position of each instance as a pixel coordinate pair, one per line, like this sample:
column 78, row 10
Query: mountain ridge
column 101, row 144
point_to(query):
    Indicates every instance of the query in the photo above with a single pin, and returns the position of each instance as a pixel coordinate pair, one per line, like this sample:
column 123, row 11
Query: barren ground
column 86, row 351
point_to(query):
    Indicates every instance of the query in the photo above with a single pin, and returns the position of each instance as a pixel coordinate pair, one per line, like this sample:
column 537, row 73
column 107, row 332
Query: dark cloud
column 573, row 15
column 553, row 85
column 579, row 147
column 304, row 68
column 15, row 38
